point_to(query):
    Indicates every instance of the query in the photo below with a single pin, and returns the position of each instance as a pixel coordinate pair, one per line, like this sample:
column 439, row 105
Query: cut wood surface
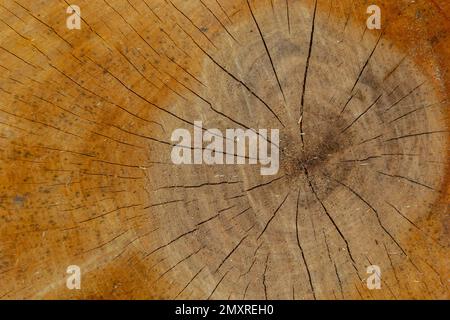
column 86, row 177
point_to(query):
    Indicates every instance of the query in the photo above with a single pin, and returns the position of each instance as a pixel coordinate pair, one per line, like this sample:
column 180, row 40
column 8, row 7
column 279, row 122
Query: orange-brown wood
column 86, row 178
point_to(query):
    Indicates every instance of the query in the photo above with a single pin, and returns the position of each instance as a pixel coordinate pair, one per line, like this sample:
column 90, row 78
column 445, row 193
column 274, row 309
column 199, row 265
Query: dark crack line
column 170, row 242
column 328, row 215
column 416, row 135
column 192, row 23
column 305, row 76
column 404, row 97
column 178, row 263
column 301, row 249
column 362, row 114
column 264, row 184
column 412, row 223
column 273, row 216
column 217, row 285
column 267, row 51
column 372, row 209
column 288, row 16
column 415, row 110
column 366, row 63
column 199, row 185
column 230, row 253
column 407, row 179
column 235, row 78
column 264, row 279
column 220, row 22
column 189, row 282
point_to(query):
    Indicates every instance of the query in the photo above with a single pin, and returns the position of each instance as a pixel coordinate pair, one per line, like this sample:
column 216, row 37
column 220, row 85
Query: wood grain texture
column 86, row 178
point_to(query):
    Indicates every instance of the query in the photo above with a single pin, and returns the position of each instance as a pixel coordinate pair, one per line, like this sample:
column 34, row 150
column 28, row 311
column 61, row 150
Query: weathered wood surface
column 85, row 172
